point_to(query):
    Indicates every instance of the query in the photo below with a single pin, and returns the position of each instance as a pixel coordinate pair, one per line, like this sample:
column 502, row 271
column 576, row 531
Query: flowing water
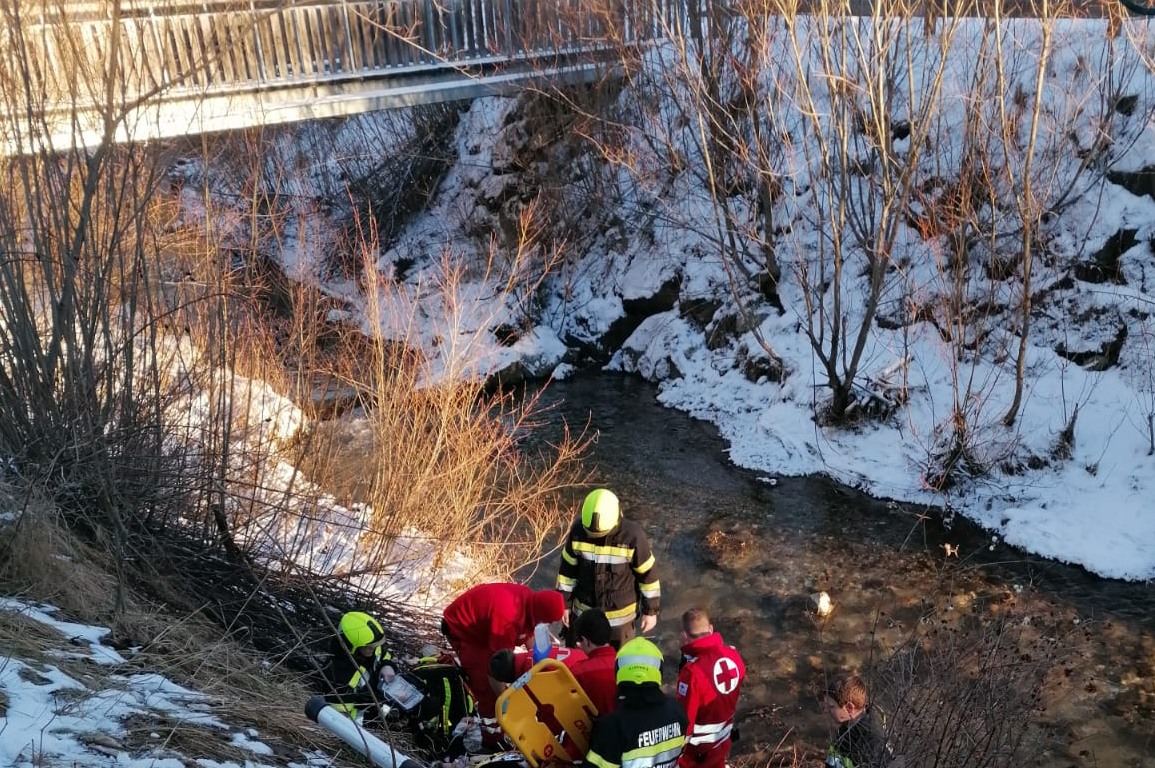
column 751, row 549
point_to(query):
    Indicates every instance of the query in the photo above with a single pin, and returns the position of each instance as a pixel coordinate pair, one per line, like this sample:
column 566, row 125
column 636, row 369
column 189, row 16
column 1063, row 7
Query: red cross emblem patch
column 725, row 675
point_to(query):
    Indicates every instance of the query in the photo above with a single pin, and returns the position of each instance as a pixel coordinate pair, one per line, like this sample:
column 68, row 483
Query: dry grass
column 244, row 690
column 27, row 638
column 193, row 653
column 450, row 457
column 39, row 646
column 104, row 434
column 445, row 462
column 162, row 736
column 445, row 457
column 39, row 556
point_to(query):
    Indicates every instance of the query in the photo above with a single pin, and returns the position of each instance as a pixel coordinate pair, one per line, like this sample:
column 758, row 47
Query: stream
column 752, row 548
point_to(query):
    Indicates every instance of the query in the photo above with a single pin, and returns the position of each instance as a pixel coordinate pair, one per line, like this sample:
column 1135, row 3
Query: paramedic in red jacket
column 708, row 686
column 488, row 618
column 597, row 674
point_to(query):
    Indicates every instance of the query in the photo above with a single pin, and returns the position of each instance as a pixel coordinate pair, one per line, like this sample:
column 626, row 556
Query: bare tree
column 146, row 344
column 1026, row 200
column 1018, row 129
column 857, row 92
column 750, row 100
column 82, row 387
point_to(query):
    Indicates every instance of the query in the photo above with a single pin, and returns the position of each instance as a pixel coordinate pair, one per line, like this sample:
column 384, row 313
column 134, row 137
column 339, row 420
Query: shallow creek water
column 751, row 552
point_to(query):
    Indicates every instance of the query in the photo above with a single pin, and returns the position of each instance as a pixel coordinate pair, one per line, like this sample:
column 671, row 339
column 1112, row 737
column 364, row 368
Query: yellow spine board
column 547, row 715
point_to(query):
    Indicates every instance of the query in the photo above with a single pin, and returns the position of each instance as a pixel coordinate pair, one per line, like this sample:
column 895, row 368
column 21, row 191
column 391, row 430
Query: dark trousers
column 622, row 634
column 619, row 635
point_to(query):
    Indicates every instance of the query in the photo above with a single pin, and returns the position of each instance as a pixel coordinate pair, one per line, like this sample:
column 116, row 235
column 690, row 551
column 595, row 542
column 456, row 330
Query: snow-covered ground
column 83, row 704
column 281, row 516
column 1082, row 503
column 1089, row 508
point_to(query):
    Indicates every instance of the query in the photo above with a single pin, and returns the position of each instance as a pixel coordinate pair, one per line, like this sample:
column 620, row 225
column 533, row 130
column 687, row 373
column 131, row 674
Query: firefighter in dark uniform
column 359, row 666
column 607, row 563
column 648, row 728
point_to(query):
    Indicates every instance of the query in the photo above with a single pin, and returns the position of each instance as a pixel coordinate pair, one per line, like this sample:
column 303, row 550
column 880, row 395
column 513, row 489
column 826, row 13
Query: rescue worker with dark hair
column 708, row 686
column 648, row 728
column 485, row 619
column 597, row 673
column 359, row 665
column 505, row 666
column 606, row 563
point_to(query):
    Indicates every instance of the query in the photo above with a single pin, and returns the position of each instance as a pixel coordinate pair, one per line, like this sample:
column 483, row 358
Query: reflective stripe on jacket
column 613, row 572
column 647, row 730
column 353, row 684
column 708, row 687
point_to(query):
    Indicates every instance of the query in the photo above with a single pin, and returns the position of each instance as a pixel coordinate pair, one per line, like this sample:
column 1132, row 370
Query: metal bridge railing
column 82, row 73
column 178, row 48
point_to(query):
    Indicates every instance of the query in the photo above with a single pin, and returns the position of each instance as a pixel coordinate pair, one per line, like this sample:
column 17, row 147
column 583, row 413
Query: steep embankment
column 931, row 283
column 197, row 665
column 187, row 696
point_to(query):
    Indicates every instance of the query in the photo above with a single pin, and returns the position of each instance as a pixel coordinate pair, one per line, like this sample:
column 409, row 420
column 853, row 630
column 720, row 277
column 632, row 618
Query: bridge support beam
column 192, row 114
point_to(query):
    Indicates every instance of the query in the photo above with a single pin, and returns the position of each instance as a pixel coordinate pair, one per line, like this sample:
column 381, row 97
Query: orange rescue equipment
column 547, row 715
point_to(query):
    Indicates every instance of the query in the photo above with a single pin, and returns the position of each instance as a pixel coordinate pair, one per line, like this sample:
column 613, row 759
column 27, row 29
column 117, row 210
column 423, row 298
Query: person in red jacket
column 486, row 619
column 597, row 674
column 708, row 686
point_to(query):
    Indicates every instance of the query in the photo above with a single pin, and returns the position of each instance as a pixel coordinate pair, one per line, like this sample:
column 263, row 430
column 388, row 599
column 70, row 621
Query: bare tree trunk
column 1029, row 213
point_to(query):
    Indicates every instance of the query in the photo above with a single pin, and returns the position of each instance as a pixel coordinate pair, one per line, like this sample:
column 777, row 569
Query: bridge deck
column 177, row 67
